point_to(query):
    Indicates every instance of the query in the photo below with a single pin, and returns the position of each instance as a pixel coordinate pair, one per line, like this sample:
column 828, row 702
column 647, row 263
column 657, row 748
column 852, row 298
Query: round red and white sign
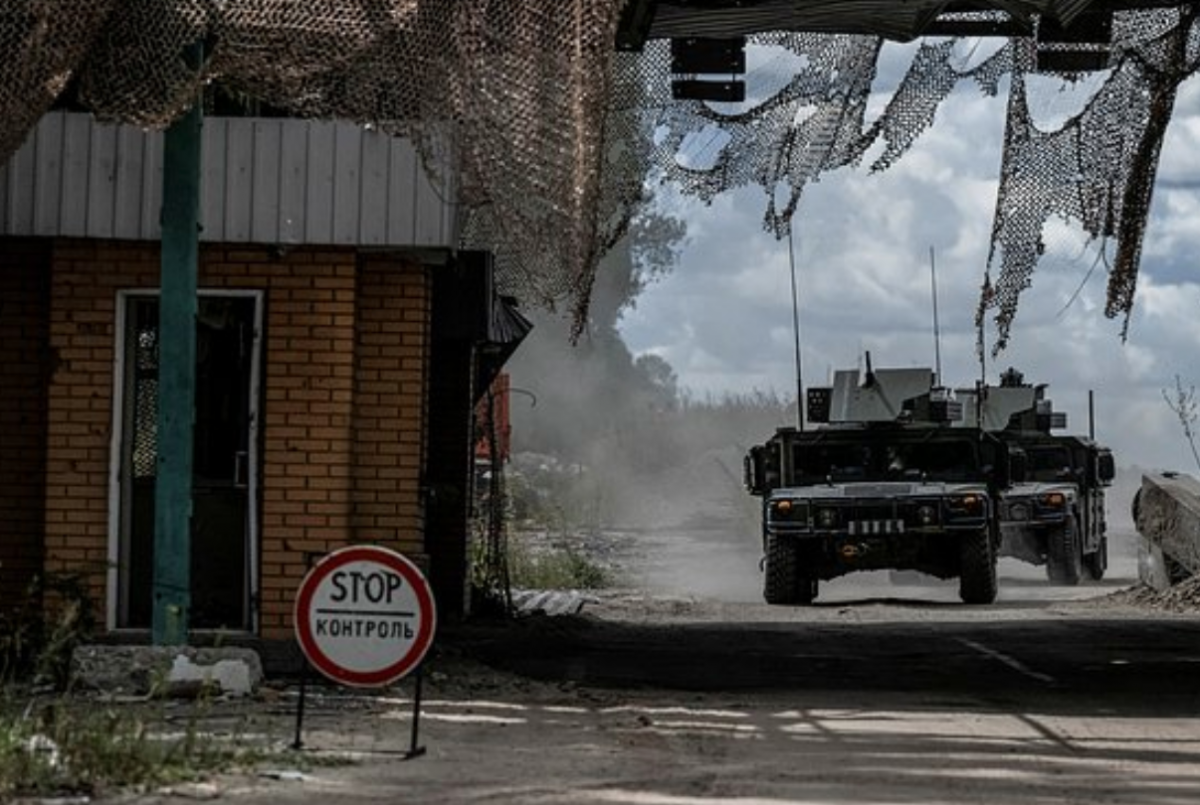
column 364, row 616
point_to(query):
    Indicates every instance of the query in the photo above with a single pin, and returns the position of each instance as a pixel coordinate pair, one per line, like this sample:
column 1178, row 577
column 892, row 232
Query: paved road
column 662, row 700
column 881, row 694
column 1133, row 665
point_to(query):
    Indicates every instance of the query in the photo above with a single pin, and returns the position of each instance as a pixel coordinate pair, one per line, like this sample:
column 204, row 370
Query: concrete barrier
column 1166, row 512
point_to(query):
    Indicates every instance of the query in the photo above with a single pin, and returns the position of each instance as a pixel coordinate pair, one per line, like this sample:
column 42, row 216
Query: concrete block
column 166, row 670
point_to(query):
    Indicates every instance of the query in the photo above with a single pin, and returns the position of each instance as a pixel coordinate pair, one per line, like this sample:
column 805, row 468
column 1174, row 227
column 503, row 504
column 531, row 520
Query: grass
column 528, row 558
column 63, row 744
column 554, row 568
column 66, row 747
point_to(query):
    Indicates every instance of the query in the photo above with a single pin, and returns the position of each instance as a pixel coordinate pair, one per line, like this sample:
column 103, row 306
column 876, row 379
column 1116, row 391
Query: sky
column 723, row 316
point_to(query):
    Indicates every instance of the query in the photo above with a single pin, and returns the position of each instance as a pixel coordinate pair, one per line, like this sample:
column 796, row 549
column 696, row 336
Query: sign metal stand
column 364, row 616
column 414, row 750
column 298, row 743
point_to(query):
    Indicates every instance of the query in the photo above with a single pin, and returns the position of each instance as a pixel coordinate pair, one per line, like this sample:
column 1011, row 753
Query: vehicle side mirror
column 752, row 470
column 1106, row 468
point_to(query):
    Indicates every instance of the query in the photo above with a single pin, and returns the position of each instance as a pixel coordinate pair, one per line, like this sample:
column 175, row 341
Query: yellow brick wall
column 341, row 449
column 390, row 375
column 84, row 278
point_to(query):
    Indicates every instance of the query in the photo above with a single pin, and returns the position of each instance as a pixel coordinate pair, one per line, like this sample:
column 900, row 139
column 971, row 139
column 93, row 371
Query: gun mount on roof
column 882, row 395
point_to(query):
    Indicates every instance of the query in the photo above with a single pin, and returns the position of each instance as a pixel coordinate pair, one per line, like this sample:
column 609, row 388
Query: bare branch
column 1185, row 405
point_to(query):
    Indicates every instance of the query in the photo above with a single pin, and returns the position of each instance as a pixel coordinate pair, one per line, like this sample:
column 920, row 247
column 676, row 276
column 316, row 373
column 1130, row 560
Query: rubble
column 1182, row 597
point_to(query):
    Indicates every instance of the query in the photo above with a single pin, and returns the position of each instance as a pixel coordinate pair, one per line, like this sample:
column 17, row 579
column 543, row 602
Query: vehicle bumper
column 829, row 554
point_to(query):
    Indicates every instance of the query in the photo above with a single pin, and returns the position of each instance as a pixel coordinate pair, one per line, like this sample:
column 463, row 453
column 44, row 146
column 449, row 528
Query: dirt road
column 880, row 694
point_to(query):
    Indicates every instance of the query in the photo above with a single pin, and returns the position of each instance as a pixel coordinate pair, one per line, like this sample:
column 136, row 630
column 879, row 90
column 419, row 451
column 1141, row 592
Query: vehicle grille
column 868, row 527
column 868, row 517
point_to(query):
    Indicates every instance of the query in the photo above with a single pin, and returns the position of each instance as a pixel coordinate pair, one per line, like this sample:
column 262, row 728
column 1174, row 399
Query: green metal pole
column 177, row 376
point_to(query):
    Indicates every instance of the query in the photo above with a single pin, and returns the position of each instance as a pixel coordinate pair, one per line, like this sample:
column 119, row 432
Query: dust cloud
column 612, row 447
column 610, row 451
column 612, row 456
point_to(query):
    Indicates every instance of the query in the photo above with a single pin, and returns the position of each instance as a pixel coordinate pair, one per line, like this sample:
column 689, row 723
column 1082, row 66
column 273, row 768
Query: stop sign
column 364, row 616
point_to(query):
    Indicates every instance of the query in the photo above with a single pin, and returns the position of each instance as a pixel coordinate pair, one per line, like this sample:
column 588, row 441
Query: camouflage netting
column 531, row 100
column 1097, row 169
column 516, row 91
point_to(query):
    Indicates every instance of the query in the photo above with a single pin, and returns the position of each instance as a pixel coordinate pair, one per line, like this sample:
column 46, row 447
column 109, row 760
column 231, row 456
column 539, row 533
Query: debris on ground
column 1182, row 597
column 549, row 602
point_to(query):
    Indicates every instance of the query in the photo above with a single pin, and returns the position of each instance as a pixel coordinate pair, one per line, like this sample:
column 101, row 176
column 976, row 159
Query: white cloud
column 1053, row 100
column 972, row 51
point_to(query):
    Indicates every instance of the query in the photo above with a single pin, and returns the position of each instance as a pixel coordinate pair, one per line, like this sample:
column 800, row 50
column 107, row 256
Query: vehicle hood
column 885, row 489
column 1035, row 488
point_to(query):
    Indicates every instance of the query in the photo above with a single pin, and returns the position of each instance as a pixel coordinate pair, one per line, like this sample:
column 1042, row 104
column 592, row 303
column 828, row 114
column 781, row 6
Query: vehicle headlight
column 827, row 518
column 969, row 504
column 1018, row 511
column 1054, row 500
column 926, row 515
column 791, row 510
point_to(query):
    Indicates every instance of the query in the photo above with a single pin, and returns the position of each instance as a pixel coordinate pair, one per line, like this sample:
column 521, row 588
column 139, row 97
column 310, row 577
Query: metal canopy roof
column 892, row 19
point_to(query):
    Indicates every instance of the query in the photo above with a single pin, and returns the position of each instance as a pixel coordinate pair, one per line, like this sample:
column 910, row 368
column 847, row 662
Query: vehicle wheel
column 780, row 585
column 1064, row 563
column 806, row 590
column 977, row 570
column 1096, row 563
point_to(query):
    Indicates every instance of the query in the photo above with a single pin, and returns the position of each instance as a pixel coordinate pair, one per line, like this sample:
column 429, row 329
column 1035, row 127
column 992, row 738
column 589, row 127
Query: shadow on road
column 1141, row 666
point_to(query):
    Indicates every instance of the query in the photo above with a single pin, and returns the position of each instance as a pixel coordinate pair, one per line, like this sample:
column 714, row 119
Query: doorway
column 224, row 471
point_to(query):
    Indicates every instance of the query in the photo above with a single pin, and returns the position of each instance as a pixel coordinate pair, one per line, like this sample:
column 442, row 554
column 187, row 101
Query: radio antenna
column 796, row 329
column 982, row 382
column 937, row 336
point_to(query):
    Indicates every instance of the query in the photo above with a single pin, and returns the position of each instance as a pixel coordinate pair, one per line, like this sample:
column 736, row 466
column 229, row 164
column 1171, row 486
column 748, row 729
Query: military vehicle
column 883, row 481
column 1055, row 516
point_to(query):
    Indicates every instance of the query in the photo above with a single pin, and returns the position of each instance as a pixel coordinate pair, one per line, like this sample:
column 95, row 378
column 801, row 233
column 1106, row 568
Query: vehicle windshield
column 1047, row 463
column 887, row 459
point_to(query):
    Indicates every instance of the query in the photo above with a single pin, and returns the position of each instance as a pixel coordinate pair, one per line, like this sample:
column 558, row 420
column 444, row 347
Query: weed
column 68, row 747
column 38, row 637
column 554, row 568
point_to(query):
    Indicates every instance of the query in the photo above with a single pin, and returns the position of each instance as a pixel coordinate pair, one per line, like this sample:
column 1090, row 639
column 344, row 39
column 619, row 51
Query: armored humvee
column 1055, row 515
column 883, row 481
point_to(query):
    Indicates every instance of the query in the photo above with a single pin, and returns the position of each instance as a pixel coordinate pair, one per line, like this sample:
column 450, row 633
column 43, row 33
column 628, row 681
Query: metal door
column 223, row 534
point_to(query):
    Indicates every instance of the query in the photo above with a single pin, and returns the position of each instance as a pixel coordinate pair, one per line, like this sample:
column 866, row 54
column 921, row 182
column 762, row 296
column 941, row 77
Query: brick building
column 342, row 343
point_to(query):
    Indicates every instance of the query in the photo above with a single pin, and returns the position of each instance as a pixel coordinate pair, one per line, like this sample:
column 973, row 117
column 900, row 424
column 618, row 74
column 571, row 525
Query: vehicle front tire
column 786, row 583
column 977, row 571
column 780, row 585
column 1096, row 563
column 806, row 590
column 1064, row 560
